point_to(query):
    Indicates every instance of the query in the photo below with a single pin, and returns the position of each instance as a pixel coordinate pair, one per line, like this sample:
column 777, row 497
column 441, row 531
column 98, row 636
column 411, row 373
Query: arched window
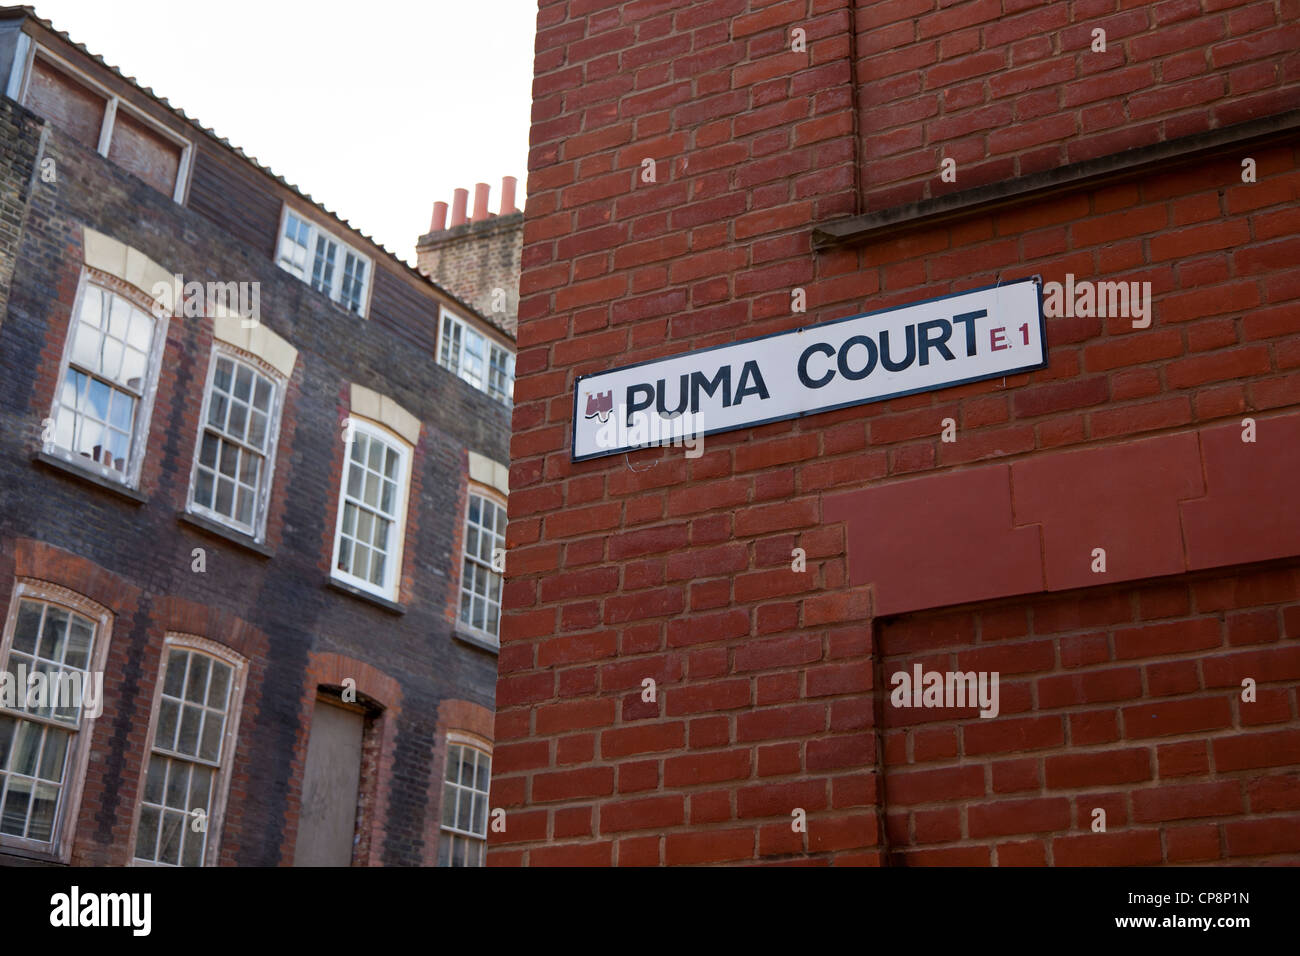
column 483, row 565
column 45, row 720
column 191, row 749
column 463, row 840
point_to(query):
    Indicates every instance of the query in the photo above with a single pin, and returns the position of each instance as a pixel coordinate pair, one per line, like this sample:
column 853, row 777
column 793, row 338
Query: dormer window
column 324, row 262
column 483, row 363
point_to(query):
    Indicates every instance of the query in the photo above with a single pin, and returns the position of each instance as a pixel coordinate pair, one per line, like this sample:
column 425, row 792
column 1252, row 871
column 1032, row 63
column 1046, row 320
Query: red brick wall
column 1123, row 698
column 652, row 565
column 1010, row 87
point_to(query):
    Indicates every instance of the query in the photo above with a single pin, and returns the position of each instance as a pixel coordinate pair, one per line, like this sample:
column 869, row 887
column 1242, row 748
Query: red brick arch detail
column 36, row 559
column 465, row 716
column 331, row 669
column 189, row 617
column 453, row 715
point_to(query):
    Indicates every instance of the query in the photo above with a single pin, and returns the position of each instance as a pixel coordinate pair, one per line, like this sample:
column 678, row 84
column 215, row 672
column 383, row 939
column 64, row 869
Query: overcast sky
column 375, row 109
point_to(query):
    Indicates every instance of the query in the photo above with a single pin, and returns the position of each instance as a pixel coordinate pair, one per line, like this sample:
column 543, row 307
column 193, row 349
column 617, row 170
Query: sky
column 374, row 109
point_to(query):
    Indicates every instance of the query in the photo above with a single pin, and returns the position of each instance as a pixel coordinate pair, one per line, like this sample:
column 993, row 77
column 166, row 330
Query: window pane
column 243, row 383
column 27, row 626
column 110, row 360
column 45, row 798
column 229, row 459
column 7, row 725
column 187, row 740
column 244, row 507
column 122, row 411
column 174, row 683
column 53, row 634
column 156, row 779
column 56, row 748
column 218, row 685
column 225, row 496
column 146, row 836
column 463, row 818
column 168, row 714
column 140, row 336
column 249, row 465
column 204, row 488
column 236, row 424
column 170, row 848
column 196, row 686
column 134, row 364
column 210, row 748
column 480, row 814
column 13, row 817
column 86, row 346
column 201, row 788
column 322, row 276
column 178, row 783
column 257, row 430
column 192, row 855
column 262, row 398
column 81, row 633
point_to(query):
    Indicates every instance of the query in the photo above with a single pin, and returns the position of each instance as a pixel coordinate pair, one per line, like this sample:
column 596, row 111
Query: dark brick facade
column 134, row 556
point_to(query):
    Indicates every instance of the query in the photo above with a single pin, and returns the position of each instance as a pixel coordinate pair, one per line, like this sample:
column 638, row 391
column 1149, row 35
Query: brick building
column 251, row 476
column 1115, row 533
column 476, row 256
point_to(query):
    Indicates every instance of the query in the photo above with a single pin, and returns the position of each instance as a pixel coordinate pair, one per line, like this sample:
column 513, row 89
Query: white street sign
column 937, row 343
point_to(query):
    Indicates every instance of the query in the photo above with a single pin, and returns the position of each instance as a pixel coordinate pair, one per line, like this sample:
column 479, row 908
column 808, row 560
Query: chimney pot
column 480, row 201
column 508, row 184
column 459, row 199
column 439, row 217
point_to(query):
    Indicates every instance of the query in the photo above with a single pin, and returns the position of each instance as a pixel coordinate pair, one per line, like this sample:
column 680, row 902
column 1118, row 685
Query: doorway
column 327, row 822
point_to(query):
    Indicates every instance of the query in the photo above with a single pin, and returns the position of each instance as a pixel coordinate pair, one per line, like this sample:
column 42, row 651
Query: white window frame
column 112, row 104
column 393, row 565
column 221, row 780
column 484, row 747
column 59, row 847
column 262, row 505
column 315, row 231
column 479, row 491
column 148, row 394
column 448, row 317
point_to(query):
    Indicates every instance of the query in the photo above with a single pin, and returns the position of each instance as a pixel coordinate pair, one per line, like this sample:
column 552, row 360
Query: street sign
column 923, row 346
